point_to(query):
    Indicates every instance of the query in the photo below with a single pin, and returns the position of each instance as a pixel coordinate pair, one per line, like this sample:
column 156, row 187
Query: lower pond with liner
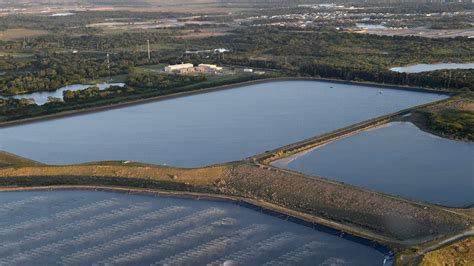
column 397, row 159
column 79, row 227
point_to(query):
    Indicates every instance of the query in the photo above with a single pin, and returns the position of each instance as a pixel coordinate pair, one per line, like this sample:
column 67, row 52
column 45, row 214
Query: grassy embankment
column 8, row 159
column 350, row 209
column 452, row 119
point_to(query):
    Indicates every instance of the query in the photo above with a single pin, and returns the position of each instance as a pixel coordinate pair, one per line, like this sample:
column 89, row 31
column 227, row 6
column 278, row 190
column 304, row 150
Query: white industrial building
column 190, row 69
column 180, row 68
column 207, row 68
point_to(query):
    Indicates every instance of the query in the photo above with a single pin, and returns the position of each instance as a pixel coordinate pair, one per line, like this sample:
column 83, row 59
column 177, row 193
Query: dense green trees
column 93, row 93
column 161, row 81
column 48, row 72
column 455, row 123
column 13, row 107
column 453, row 79
column 78, row 21
column 350, row 56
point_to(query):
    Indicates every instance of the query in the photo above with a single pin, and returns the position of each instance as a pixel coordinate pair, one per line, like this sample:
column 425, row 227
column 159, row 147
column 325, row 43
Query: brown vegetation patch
column 197, row 177
column 11, row 34
column 459, row 253
column 193, row 34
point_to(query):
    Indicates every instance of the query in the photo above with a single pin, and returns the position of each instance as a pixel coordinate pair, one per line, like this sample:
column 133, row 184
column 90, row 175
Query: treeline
column 454, row 79
column 94, row 93
column 51, row 71
column 12, row 63
column 79, row 20
column 137, row 83
column 12, row 107
column 457, row 124
column 342, row 48
column 100, row 42
column 161, row 81
column 348, row 56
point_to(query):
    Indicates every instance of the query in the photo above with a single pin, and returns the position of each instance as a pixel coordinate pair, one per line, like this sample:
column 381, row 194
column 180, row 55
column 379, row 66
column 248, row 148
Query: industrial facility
column 189, row 68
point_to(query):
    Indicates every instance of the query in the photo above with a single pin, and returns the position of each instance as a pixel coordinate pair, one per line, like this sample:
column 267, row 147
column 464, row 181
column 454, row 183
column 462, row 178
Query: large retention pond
column 87, row 227
column 398, row 159
column 208, row 128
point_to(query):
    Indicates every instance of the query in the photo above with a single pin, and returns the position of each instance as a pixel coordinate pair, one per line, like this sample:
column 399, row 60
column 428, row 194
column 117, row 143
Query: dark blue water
column 103, row 228
column 398, row 159
column 208, row 128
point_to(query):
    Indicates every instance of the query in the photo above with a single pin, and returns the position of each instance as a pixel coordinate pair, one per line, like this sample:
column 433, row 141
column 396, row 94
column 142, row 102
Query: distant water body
column 397, row 159
column 104, row 228
column 62, row 14
column 370, row 26
column 208, row 128
column 42, row 97
column 432, row 67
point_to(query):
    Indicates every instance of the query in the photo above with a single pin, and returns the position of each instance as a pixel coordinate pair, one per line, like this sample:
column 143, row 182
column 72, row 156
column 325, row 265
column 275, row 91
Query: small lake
column 432, row 67
column 208, row 128
column 397, row 159
column 105, row 228
column 42, row 97
column 62, row 14
column 370, row 26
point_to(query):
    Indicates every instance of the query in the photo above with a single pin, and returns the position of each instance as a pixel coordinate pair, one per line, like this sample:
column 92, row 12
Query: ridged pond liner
column 318, row 227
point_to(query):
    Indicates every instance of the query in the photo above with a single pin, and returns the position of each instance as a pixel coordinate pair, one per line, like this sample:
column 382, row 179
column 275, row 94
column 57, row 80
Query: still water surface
column 86, row 227
column 370, row 26
column 207, row 128
column 398, row 159
column 431, row 67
